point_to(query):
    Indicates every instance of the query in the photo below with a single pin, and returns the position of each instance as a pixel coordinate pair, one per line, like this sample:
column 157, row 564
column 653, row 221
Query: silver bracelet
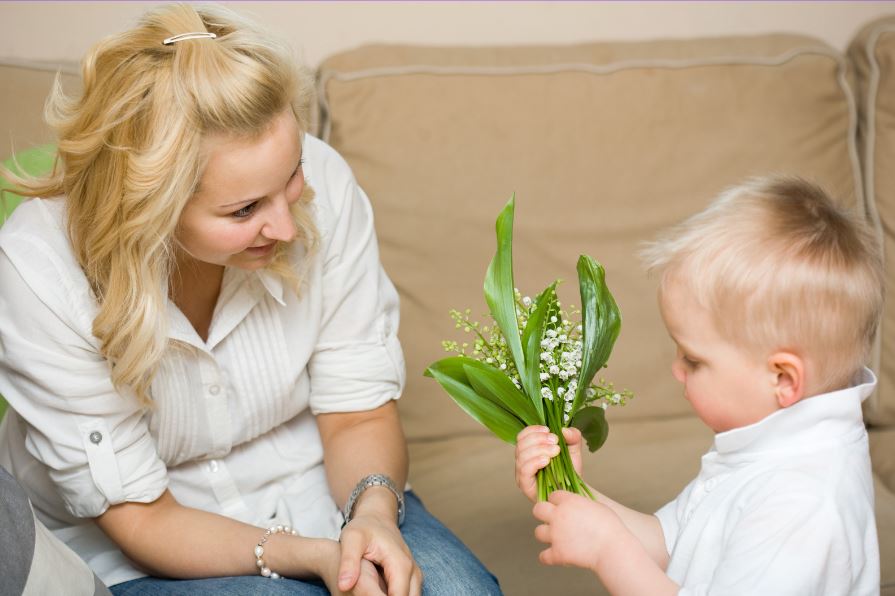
column 259, row 549
column 365, row 483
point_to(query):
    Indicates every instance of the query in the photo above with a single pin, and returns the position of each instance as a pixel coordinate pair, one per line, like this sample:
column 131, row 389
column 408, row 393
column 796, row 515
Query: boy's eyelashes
column 689, row 362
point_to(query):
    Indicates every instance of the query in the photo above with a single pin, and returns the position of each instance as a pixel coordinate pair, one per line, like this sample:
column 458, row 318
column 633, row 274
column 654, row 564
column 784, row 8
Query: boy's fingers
column 546, row 557
column 542, row 533
column 536, row 452
column 543, row 511
column 533, row 439
column 560, row 496
column 531, row 430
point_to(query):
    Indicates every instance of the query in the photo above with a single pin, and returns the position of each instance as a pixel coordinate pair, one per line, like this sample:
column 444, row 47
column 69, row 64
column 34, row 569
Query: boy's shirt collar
column 827, row 418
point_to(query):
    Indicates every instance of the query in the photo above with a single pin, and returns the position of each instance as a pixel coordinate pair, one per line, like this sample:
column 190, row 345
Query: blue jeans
column 449, row 569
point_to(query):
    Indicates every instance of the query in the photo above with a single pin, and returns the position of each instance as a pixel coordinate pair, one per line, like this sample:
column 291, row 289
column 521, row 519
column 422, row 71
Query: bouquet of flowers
column 535, row 365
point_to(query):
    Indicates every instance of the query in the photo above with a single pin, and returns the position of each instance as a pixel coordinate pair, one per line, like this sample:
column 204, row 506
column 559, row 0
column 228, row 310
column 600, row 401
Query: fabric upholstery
column 603, row 144
column 873, row 55
column 34, row 561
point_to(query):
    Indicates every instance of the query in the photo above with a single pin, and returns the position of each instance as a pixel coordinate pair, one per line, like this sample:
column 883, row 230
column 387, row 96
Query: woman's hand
column 369, row 581
column 371, row 539
column 535, row 447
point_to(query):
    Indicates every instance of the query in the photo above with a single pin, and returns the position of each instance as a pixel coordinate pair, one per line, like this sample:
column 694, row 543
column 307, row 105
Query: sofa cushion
column 873, row 54
column 34, row 561
column 24, row 87
column 604, row 144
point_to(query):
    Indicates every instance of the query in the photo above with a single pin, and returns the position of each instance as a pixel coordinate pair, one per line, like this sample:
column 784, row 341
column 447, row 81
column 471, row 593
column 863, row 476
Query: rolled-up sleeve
column 93, row 440
column 357, row 363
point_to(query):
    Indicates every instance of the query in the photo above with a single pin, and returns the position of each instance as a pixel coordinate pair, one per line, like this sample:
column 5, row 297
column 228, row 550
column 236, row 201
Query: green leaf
column 531, row 342
column 591, row 421
column 499, row 287
column 491, row 382
column 601, row 321
column 495, row 418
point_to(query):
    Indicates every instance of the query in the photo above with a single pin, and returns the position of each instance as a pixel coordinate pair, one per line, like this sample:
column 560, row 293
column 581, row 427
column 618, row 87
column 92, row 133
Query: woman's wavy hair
column 130, row 156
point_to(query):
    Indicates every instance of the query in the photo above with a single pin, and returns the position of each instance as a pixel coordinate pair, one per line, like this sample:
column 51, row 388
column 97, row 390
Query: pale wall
column 64, row 30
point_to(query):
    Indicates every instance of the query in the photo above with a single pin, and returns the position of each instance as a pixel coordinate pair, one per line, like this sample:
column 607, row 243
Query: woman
column 199, row 349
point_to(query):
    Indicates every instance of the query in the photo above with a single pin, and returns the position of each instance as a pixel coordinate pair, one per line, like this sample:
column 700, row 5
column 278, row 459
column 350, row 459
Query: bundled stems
column 559, row 474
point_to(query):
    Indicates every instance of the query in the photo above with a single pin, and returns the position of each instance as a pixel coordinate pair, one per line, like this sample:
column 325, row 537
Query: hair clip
column 193, row 35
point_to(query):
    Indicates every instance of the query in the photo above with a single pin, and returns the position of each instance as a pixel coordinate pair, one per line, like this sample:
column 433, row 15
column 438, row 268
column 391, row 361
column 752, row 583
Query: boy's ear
column 789, row 377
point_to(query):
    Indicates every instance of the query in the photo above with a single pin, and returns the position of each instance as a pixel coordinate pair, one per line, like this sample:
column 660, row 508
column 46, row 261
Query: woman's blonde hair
column 779, row 266
column 130, row 156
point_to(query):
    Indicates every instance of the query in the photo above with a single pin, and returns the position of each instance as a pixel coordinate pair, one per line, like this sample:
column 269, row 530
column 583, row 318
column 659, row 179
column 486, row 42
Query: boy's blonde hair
column 131, row 152
column 779, row 266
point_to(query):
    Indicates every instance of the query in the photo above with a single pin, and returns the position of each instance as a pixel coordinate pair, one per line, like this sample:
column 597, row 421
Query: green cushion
column 34, row 162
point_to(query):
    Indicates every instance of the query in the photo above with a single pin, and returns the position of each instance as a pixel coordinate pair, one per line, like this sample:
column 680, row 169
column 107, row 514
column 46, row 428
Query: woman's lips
column 261, row 251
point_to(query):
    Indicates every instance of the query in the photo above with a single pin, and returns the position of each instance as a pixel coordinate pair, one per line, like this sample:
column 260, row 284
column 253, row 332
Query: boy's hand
column 576, row 530
column 535, row 446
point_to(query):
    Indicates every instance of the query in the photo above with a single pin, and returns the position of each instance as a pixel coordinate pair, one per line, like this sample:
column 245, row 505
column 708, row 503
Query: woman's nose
column 280, row 224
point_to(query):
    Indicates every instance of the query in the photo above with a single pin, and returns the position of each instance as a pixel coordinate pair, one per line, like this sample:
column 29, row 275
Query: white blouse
column 232, row 430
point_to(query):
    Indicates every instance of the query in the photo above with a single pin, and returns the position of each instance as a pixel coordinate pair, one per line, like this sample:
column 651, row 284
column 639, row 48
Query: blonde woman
column 198, row 349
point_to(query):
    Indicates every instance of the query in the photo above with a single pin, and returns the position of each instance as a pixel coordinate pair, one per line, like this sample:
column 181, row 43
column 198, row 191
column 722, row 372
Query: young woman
column 198, row 341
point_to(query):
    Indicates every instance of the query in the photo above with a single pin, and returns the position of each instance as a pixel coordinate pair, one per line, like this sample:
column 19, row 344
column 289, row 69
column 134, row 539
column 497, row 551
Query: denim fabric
column 449, row 569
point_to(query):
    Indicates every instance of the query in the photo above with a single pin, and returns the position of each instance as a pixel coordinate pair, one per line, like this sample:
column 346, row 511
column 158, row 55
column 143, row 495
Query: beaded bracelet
column 259, row 549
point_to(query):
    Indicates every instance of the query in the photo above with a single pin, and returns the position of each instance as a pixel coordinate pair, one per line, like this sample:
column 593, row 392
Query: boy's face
column 727, row 387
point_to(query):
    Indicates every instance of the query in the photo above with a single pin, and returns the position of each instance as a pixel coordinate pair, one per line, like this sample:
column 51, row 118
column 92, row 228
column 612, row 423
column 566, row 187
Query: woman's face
column 241, row 210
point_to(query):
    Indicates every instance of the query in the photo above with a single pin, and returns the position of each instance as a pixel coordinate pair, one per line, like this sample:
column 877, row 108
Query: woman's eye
column 245, row 211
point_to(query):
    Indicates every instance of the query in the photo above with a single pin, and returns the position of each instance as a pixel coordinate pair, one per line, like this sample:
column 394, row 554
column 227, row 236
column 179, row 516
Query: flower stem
column 559, row 474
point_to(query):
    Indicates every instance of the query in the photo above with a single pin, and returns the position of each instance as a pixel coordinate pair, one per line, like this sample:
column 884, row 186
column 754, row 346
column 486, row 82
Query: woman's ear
column 789, row 377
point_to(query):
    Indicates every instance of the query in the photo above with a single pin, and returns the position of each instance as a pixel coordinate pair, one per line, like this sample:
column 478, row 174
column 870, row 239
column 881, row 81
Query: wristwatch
column 365, row 483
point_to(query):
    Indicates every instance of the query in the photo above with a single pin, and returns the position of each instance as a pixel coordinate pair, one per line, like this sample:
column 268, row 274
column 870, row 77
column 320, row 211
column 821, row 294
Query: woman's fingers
column 352, row 551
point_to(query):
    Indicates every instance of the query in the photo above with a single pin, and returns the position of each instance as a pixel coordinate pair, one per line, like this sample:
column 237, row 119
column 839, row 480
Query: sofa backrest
column 604, row 145
column 25, row 88
column 873, row 55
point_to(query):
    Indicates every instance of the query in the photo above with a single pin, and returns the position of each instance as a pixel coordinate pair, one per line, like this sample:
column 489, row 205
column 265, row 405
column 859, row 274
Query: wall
column 64, row 30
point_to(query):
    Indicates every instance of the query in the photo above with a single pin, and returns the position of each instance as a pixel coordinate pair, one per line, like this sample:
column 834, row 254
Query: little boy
column 773, row 296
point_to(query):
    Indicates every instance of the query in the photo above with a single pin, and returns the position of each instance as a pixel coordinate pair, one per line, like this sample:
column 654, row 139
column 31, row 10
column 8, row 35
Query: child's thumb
column 572, row 436
column 573, row 440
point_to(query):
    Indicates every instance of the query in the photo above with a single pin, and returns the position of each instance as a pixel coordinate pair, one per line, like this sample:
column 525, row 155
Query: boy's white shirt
column 783, row 506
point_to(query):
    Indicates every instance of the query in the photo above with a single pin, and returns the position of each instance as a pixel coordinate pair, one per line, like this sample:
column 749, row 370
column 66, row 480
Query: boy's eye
column 689, row 362
column 245, row 211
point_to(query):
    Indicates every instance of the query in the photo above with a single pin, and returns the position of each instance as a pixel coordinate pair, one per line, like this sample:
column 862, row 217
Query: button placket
column 217, row 409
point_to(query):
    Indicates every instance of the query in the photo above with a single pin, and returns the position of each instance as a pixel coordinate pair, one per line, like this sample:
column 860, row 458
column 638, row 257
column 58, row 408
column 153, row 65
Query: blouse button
column 214, row 389
column 96, row 437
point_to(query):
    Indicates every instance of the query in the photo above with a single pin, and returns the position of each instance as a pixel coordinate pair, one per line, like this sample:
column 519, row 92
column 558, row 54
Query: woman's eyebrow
column 252, row 200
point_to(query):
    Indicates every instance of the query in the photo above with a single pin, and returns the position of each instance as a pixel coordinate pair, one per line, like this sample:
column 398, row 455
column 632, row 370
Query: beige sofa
column 604, row 144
